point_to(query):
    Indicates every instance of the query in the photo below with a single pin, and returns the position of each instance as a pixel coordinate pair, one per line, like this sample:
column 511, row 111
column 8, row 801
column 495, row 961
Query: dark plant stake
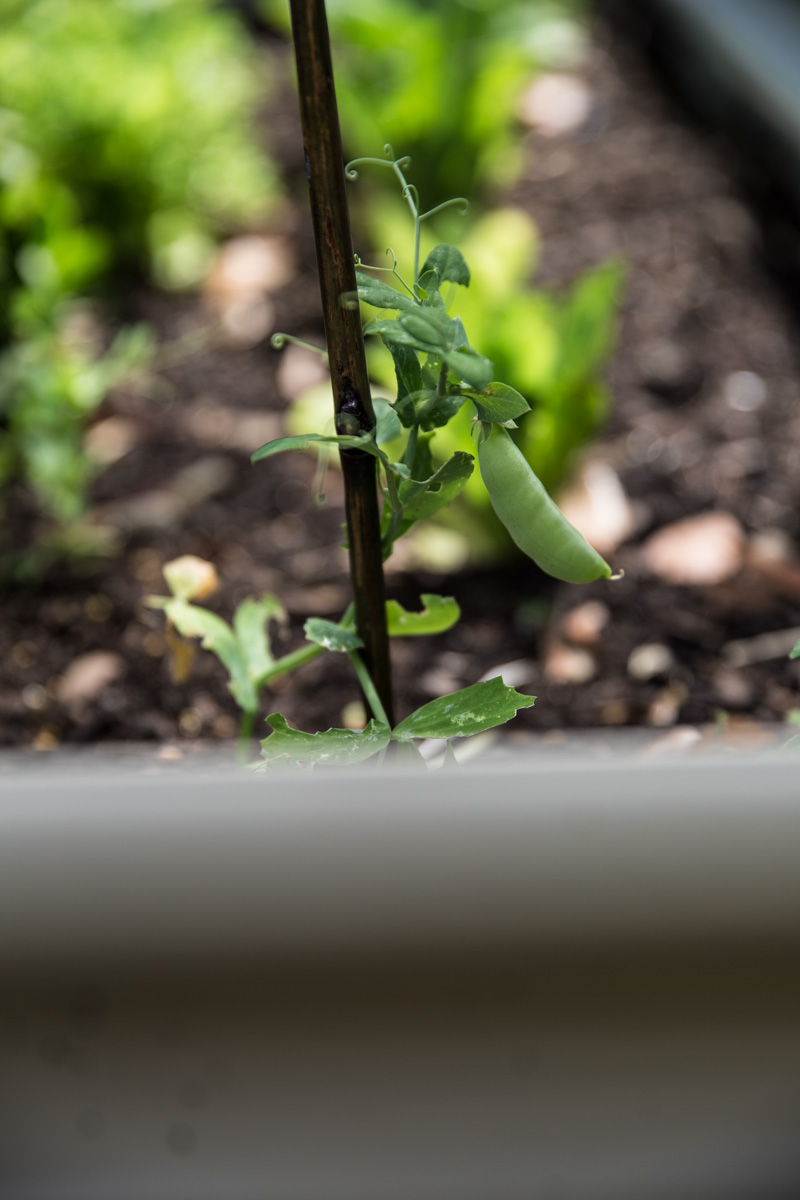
column 345, row 340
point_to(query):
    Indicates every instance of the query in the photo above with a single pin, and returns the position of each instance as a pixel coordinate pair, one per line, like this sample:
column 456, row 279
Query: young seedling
column 437, row 372
column 245, row 649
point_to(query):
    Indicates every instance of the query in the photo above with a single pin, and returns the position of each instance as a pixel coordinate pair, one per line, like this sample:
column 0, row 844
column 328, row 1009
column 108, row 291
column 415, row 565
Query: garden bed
column 704, row 418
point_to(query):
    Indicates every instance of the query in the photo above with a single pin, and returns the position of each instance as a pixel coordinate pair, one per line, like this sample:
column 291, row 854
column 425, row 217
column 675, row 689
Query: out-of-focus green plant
column 127, row 144
column 127, row 138
column 443, row 79
column 49, row 389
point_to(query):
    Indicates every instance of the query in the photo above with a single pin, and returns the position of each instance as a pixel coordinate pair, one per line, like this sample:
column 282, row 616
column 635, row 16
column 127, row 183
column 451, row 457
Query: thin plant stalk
column 345, row 341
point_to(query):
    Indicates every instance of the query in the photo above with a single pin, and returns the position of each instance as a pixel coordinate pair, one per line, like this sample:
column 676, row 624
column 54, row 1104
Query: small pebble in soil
column 665, row 708
column 649, row 660
column 584, row 624
column 169, row 754
column 224, row 726
column 23, row 655
column 615, row 712
column 703, row 550
column 556, row 105
column 354, row 715
column 34, row 697
column 596, row 504
column 190, row 722
column 568, row 664
column 745, row 391
column 98, row 608
column 88, row 675
column 513, row 674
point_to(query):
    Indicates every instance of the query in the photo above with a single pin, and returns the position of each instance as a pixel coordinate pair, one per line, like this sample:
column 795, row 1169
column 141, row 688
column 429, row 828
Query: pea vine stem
column 344, row 338
column 409, row 193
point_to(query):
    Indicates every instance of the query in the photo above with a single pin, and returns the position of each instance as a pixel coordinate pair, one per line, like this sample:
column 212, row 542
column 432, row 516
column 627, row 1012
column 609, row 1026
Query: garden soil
column 704, row 420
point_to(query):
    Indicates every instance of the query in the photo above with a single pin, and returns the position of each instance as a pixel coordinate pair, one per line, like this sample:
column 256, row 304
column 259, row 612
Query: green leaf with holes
column 438, row 614
column 288, row 747
column 472, row 710
column 423, row 498
column 251, row 626
column 331, row 636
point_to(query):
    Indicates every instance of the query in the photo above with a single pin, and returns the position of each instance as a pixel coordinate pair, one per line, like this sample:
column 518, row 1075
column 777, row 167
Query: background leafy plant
column 126, row 146
column 442, row 79
column 127, row 138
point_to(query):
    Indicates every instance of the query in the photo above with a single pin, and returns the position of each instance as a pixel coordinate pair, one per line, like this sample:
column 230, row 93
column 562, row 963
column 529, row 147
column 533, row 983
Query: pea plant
column 437, row 371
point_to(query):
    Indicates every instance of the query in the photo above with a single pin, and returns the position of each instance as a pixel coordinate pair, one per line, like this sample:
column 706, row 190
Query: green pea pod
column 535, row 523
column 428, row 328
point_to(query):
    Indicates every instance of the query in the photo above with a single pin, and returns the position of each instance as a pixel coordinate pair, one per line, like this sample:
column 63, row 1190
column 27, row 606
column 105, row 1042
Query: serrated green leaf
column 251, row 626
column 423, row 498
column 335, row 747
column 499, row 403
column 331, row 636
column 217, row 635
column 438, row 614
column 302, row 441
column 380, row 295
column 461, row 714
column 449, row 264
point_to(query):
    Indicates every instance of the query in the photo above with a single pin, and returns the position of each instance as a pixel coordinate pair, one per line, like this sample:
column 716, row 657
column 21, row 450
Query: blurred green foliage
column 127, row 144
column 126, row 138
column 440, row 80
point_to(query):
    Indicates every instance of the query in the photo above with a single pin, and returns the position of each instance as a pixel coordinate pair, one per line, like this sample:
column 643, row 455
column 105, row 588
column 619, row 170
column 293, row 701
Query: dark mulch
column 638, row 181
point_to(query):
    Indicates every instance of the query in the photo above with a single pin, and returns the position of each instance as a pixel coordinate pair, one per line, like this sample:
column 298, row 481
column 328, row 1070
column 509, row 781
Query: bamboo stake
column 345, row 340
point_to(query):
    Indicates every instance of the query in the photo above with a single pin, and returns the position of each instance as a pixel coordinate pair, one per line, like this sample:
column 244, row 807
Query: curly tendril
column 461, row 201
column 279, row 340
column 409, row 193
